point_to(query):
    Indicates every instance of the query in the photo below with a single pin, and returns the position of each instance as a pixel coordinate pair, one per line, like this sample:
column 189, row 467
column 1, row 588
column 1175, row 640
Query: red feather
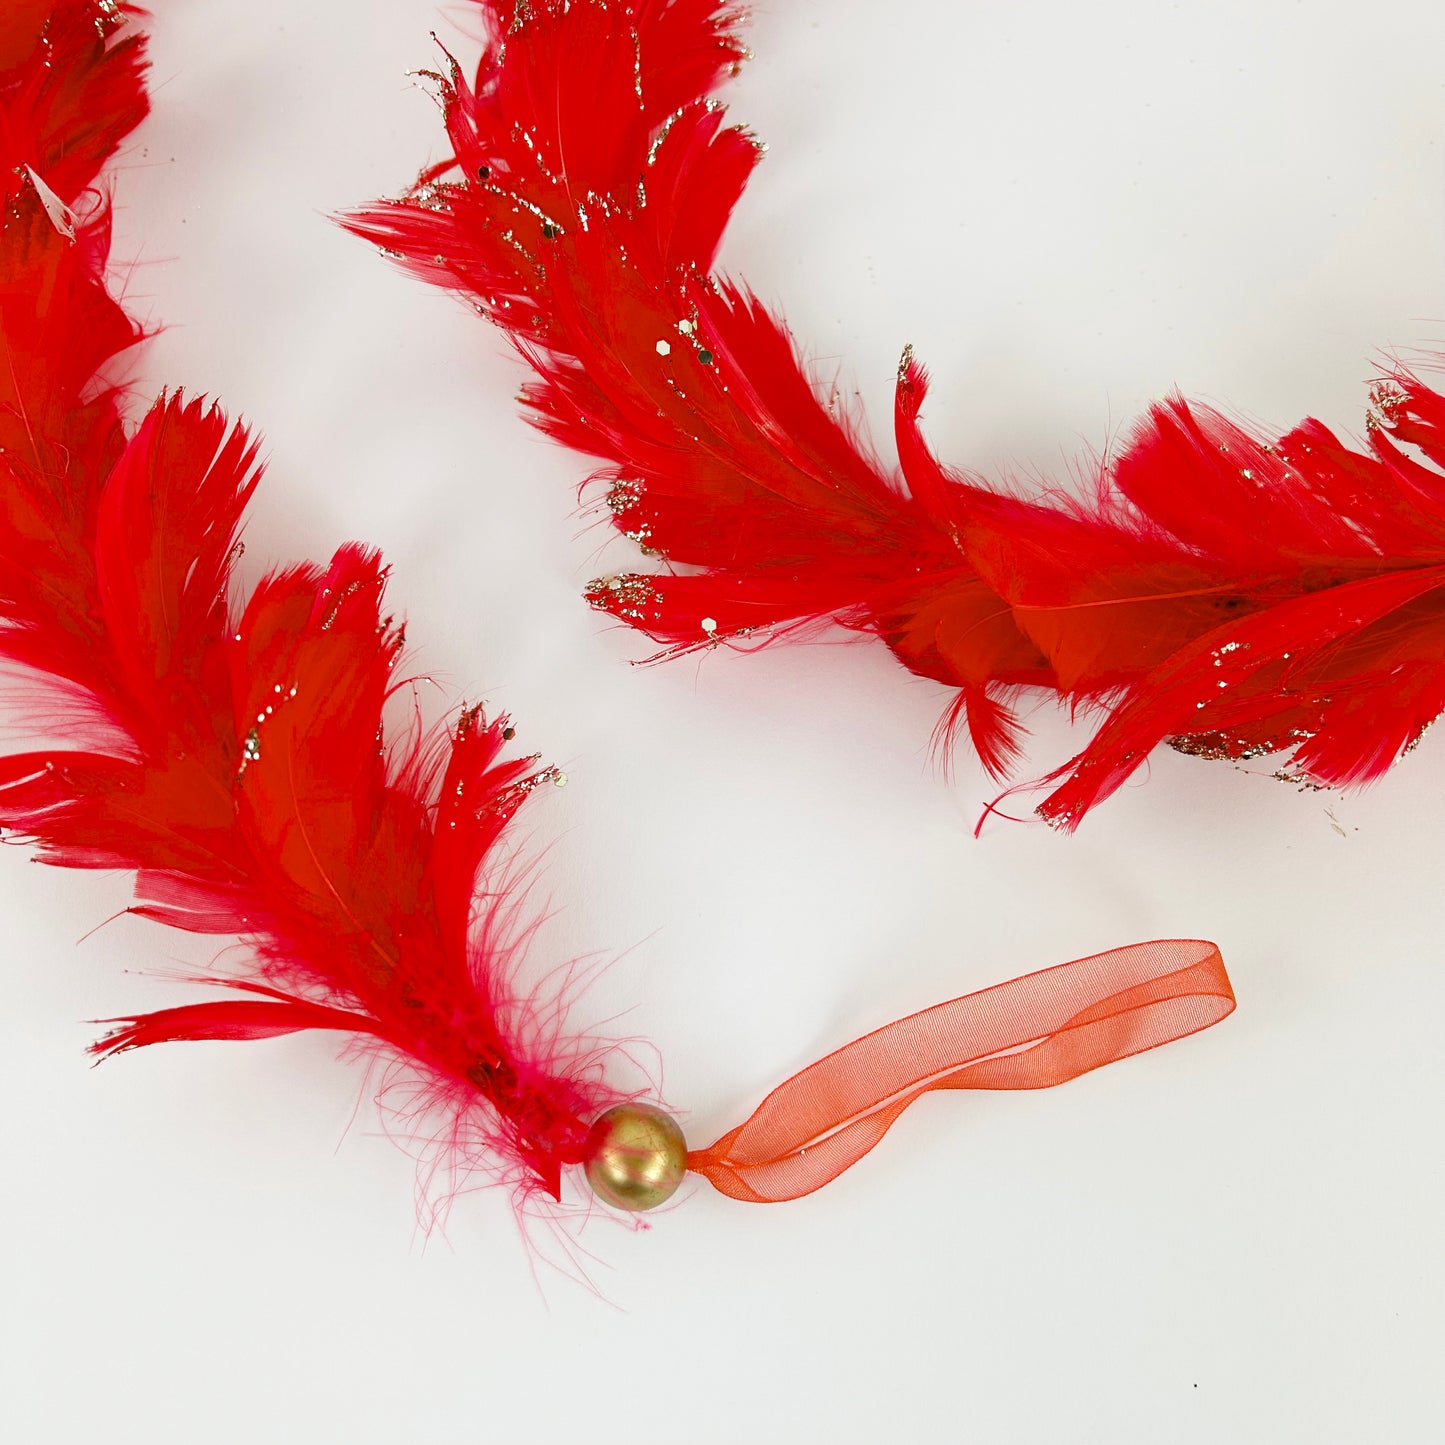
column 234, row 756
column 590, row 180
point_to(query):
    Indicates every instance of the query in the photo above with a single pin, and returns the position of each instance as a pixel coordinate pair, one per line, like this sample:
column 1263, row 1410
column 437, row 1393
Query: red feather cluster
column 233, row 755
column 1231, row 595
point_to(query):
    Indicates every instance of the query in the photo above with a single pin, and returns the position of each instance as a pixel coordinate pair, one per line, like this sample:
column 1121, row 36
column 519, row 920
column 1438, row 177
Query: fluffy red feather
column 1231, row 595
column 233, row 754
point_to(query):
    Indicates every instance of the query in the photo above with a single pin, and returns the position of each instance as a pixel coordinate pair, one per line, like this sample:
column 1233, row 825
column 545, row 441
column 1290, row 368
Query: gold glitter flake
column 510, row 799
column 1302, row 782
column 432, row 196
column 629, row 595
column 663, row 132
column 250, row 752
column 346, row 592
column 626, row 493
column 1419, row 735
column 521, row 14
column 1387, row 400
column 109, row 16
column 1223, row 746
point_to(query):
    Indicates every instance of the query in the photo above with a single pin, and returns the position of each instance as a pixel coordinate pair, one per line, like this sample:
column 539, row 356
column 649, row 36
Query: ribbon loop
column 1032, row 1032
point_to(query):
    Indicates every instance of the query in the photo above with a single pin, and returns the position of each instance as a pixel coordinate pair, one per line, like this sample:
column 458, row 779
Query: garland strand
column 1230, row 594
column 232, row 753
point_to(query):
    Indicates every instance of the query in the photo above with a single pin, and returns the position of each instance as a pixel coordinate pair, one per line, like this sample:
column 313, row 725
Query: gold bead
column 636, row 1157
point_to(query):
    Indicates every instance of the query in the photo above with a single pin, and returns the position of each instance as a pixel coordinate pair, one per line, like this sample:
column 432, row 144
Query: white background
column 1068, row 209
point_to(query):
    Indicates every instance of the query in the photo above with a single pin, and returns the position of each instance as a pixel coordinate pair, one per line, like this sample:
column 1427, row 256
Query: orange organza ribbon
column 1030, row 1033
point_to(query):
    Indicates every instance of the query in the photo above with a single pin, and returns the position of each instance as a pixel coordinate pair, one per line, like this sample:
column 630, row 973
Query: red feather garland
column 1226, row 594
column 234, row 756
